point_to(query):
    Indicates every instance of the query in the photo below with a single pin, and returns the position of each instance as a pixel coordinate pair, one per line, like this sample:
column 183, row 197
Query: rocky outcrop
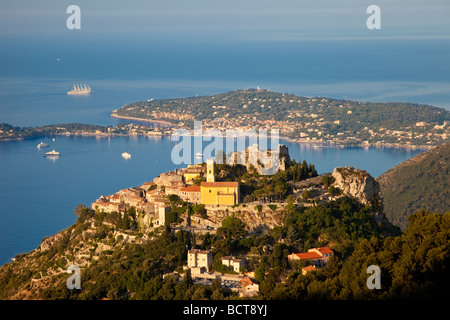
column 254, row 219
column 356, row 183
column 51, row 241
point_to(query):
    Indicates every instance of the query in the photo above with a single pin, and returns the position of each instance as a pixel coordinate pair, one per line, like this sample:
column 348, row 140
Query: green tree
column 233, row 228
column 306, row 194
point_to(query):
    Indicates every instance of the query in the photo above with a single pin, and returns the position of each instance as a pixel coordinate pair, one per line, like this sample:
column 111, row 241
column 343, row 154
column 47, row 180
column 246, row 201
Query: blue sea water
column 33, row 82
column 38, row 195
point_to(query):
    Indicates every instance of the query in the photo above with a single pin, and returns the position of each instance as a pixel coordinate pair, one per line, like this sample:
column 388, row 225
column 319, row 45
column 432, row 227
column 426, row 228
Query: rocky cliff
column 356, row 183
column 255, row 218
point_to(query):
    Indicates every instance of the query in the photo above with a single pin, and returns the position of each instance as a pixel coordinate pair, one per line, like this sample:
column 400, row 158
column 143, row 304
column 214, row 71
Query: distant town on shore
column 322, row 121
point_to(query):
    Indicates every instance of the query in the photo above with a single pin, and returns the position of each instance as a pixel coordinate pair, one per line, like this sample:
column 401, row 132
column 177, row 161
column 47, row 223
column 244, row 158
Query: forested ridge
column 414, row 264
column 420, row 183
column 311, row 118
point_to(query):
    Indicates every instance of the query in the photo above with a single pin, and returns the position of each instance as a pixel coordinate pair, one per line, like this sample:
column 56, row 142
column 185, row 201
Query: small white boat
column 126, row 155
column 42, row 145
column 52, row 153
column 199, row 155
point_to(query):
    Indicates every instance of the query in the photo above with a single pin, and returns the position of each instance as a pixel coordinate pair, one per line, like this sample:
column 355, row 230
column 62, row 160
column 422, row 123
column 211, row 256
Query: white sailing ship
column 80, row 90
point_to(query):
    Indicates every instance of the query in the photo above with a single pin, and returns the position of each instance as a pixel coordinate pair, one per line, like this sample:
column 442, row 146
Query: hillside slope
column 422, row 182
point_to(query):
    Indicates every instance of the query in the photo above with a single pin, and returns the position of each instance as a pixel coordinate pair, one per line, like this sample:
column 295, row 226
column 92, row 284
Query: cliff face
column 254, row 219
column 356, row 183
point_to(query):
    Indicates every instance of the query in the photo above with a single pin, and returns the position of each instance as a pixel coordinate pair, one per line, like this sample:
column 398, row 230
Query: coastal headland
column 318, row 121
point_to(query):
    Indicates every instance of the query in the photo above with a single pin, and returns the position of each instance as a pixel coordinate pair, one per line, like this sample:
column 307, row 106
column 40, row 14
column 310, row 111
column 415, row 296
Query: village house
column 307, row 269
column 193, row 172
column 155, row 194
column 161, row 208
column 167, row 179
column 191, row 194
column 147, row 186
column 104, row 204
column 200, row 261
column 249, row 287
column 135, row 191
column 115, row 198
column 134, row 201
column 318, row 257
column 235, row 264
column 174, row 188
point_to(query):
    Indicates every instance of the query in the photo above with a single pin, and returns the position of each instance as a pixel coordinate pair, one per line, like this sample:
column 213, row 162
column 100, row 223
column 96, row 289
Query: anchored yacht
column 52, row 153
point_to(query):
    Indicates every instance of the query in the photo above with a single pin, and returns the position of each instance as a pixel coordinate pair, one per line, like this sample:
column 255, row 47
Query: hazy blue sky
column 230, row 19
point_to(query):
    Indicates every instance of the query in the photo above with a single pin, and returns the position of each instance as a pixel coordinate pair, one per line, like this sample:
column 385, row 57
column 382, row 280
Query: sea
column 38, row 195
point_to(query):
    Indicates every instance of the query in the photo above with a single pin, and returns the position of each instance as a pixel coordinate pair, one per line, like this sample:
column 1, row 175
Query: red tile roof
column 313, row 254
column 309, row 268
column 308, row 255
column 325, row 250
column 219, row 184
column 191, row 189
column 247, row 281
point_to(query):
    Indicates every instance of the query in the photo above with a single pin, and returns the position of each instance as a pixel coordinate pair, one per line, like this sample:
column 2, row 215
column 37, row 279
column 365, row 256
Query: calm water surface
column 38, row 194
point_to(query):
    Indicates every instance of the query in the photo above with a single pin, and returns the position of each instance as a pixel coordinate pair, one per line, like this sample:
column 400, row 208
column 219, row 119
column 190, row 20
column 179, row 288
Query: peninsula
column 320, row 121
column 303, row 119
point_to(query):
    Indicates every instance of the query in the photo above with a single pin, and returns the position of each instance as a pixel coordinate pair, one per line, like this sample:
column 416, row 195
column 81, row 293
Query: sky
column 228, row 20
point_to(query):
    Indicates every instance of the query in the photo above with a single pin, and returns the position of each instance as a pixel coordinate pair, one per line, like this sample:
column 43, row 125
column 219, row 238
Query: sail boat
column 80, row 89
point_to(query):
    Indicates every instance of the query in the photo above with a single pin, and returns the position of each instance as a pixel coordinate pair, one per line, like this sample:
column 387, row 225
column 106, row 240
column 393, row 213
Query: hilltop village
column 153, row 205
column 224, row 231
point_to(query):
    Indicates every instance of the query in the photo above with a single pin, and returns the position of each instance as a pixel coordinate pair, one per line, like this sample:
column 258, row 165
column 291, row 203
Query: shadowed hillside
column 419, row 183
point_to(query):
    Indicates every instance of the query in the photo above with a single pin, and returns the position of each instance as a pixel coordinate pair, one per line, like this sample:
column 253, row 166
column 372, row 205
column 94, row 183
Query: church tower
column 210, row 170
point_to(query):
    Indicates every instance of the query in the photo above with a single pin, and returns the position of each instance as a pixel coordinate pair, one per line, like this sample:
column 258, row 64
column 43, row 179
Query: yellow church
column 218, row 193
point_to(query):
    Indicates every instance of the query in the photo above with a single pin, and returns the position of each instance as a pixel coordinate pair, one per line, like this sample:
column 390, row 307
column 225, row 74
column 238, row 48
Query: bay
column 38, row 194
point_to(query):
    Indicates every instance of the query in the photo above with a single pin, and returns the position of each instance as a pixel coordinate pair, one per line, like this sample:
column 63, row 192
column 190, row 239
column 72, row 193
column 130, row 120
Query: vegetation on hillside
column 121, row 260
column 240, row 103
column 413, row 264
column 420, row 183
column 317, row 118
column 270, row 188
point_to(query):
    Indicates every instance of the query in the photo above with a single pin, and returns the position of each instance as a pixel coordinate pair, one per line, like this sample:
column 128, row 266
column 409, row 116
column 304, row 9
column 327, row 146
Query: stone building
column 200, row 260
column 265, row 162
column 219, row 193
column 234, row 263
column 191, row 194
